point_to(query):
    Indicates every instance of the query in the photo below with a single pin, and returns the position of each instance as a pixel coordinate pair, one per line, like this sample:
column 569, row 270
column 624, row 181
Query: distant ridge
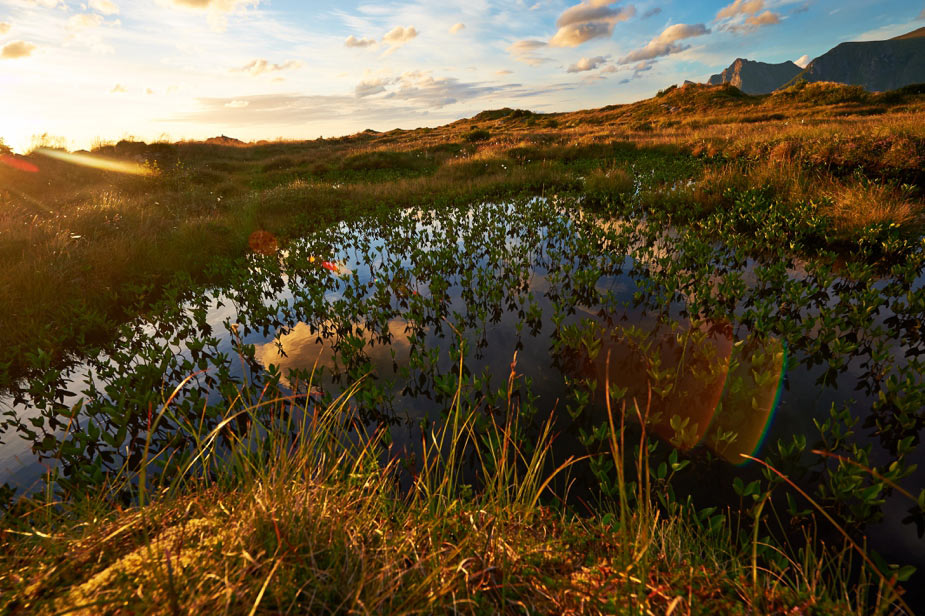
column 223, row 140
column 875, row 65
column 756, row 77
column 920, row 33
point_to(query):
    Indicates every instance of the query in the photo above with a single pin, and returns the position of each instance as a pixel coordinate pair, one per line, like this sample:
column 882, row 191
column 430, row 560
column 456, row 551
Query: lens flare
column 263, row 242
column 773, row 408
column 710, row 389
column 17, row 163
column 750, row 400
column 97, row 162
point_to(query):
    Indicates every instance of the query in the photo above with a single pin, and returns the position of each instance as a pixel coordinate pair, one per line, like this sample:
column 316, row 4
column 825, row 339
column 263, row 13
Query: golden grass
column 858, row 204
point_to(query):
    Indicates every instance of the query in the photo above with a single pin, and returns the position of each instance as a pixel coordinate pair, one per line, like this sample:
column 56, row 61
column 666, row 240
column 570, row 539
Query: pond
column 721, row 347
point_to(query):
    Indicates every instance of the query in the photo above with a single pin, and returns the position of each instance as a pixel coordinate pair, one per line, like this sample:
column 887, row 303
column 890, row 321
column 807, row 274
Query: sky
column 91, row 71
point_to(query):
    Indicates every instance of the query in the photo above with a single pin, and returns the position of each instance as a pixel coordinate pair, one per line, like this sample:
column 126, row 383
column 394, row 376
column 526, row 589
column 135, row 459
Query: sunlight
column 97, row 162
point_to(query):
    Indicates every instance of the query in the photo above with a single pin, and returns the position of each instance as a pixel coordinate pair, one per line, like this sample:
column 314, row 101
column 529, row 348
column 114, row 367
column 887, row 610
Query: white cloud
column 84, row 21
column 4, row 27
column 398, row 36
column 457, row 27
column 802, row 61
column 587, row 64
column 261, row 66
column 424, row 89
column 17, row 49
column 104, row 6
column 218, row 10
column 665, row 43
column 217, row 5
column 589, row 20
column 352, row 41
column 237, row 104
column 525, row 51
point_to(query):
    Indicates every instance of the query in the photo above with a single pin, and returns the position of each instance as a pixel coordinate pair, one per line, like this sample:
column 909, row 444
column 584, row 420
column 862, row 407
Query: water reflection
column 710, row 335
column 302, row 350
column 699, row 385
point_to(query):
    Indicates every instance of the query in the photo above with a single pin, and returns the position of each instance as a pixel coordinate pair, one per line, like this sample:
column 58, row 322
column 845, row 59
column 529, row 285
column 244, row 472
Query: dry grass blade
column 890, row 584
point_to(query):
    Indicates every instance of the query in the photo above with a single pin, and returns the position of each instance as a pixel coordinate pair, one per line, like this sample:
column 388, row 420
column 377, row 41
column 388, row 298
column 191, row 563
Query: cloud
column 457, row 27
column 418, row 91
column 421, row 88
column 352, row 41
column 642, row 67
column 84, row 21
column 225, row 6
column 503, row 71
column 398, row 36
column 17, row 49
column 370, row 87
column 651, row 13
column 803, row 61
column 217, row 9
column 589, row 20
column 750, row 11
column 4, row 27
column 765, row 19
column 665, row 43
column 740, row 7
column 525, row 51
column 118, row 89
column 587, row 64
column 104, row 6
column 261, row 66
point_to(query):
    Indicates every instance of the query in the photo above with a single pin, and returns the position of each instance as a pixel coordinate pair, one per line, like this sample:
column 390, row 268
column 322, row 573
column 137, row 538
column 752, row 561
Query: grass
column 315, row 519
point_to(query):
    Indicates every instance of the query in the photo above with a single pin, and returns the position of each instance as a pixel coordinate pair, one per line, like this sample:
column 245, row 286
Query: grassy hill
column 84, row 248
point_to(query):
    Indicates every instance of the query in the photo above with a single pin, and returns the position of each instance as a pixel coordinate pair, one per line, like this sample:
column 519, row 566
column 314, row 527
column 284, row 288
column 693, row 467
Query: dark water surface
column 727, row 354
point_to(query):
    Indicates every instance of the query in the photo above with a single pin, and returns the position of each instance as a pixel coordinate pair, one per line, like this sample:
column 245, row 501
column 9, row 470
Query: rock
column 756, row 77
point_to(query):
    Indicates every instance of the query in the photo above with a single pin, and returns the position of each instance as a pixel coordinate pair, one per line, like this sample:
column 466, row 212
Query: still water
column 722, row 353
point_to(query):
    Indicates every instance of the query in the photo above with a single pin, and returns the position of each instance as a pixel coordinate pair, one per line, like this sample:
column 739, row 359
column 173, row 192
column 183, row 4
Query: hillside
column 920, row 33
column 756, row 77
column 874, row 65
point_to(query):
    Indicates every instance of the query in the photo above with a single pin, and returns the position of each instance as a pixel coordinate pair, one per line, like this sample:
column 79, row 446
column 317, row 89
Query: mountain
column 920, row 33
column 875, row 65
column 756, row 77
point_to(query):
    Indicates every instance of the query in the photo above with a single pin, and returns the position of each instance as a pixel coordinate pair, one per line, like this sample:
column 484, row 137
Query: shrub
column 477, row 134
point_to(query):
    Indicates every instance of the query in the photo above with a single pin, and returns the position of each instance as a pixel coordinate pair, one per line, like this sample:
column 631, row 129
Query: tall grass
column 291, row 505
